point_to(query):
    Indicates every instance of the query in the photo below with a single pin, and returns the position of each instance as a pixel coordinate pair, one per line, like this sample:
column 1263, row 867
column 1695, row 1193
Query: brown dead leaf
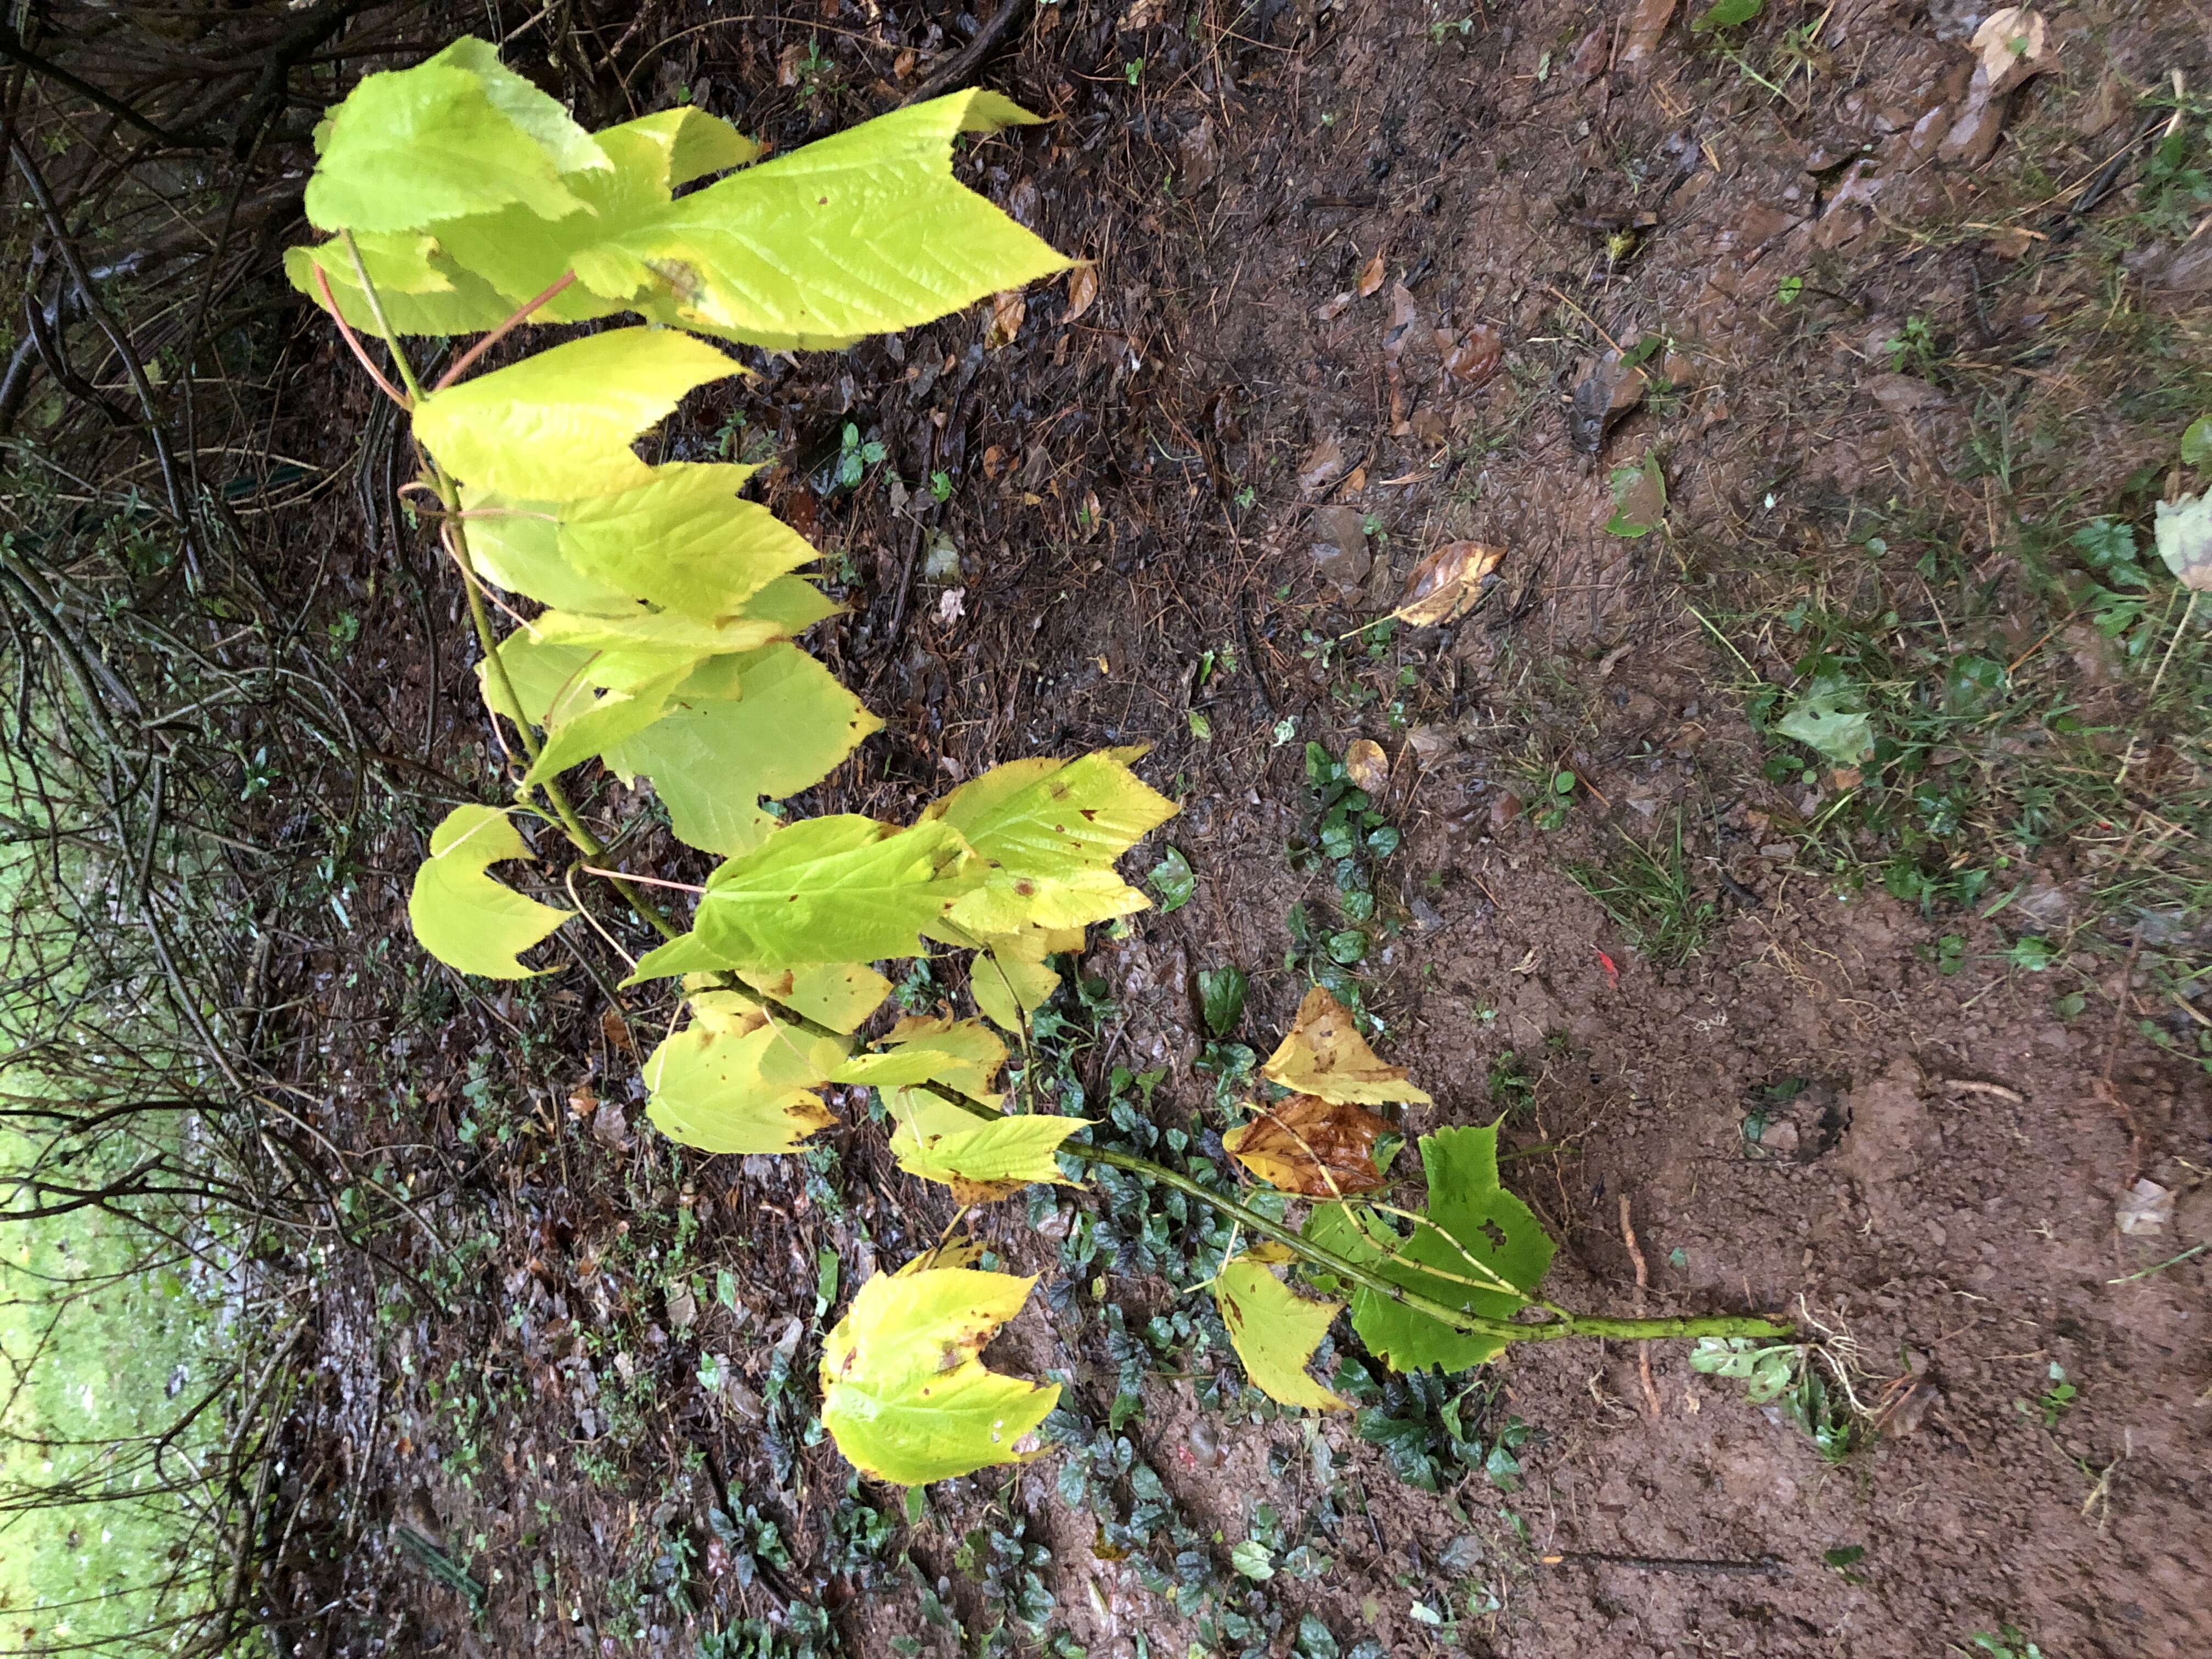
column 902, row 65
column 1082, row 291
column 1314, row 1147
column 2012, row 44
column 583, row 1102
column 1371, row 276
column 787, row 62
column 1325, row 1055
column 1366, row 765
column 616, row 1030
column 1329, row 310
column 1474, row 359
column 1007, row 311
column 1446, row 585
column 1322, row 466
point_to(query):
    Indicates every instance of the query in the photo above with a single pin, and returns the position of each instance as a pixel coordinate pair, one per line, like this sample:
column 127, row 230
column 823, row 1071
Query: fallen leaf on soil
column 2145, row 1207
column 1645, row 25
column 616, row 1030
column 1329, row 310
column 1370, row 275
column 787, row 62
column 2184, row 538
column 1366, row 765
column 1322, row 466
column 1639, row 498
column 951, row 604
column 1601, row 397
column 583, row 1102
column 1082, row 292
column 682, row 1309
column 2013, row 44
column 1325, row 1055
column 1405, row 317
column 902, row 65
column 1317, row 1148
column 1475, row 358
column 1007, row 311
column 610, row 1127
column 1446, row 585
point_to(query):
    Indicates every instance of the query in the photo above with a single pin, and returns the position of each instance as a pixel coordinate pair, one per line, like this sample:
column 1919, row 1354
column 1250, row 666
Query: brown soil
column 1939, row 1205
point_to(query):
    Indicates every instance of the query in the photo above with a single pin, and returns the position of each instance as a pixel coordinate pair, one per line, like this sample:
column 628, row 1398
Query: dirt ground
column 1351, row 262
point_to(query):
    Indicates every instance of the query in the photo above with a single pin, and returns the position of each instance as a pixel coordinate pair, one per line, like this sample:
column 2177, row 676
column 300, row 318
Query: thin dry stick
column 1643, row 1283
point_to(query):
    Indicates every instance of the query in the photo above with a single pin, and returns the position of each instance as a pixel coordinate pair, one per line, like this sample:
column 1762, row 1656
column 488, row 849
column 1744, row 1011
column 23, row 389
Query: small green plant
column 1786, row 1373
column 461, row 199
column 2006, row 1643
column 1650, row 896
column 856, row 457
column 1912, row 346
column 2053, row 1403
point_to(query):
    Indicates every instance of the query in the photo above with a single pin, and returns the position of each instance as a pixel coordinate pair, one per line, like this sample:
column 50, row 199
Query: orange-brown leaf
column 1366, row 765
column 1370, row 275
column 1314, row 1147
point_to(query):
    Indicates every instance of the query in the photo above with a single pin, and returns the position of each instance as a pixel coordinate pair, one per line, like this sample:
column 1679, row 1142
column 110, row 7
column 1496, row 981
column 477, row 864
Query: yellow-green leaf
column 560, row 424
column 409, row 148
column 665, row 633
column 770, row 722
column 1325, row 1056
column 861, row 233
column 460, row 914
column 839, row 994
column 962, row 1054
column 1049, row 832
column 979, row 1159
column 683, row 540
column 421, row 293
column 903, row 1392
column 835, row 888
column 735, row 1081
column 1275, row 1331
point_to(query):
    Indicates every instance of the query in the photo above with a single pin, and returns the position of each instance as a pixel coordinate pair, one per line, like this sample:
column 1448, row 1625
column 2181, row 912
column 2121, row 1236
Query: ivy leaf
column 560, row 424
column 1726, row 14
column 410, row 148
column 1048, row 832
column 1325, row 1055
column 1275, row 1332
column 1221, row 998
column 862, row 232
column 1830, row 717
column 833, row 889
column 979, row 1159
column 903, row 1392
column 1475, row 1230
column 1314, row 1147
column 460, row 914
column 2196, row 448
column 734, row 1080
column 769, row 722
column 1174, row 880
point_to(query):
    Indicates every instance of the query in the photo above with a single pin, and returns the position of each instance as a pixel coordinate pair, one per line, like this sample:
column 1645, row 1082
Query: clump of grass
column 1650, row 896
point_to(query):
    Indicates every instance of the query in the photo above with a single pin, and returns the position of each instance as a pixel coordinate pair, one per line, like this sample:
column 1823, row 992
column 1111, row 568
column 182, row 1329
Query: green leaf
column 1726, row 14
column 2196, row 443
column 734, row 1080
column 903, row 1393
column 410, row 148
column 1174, row 880
column 1478, row 1219
column 1048, row 832
column 1221, row 998
column 538, row 114
column 835, row 888
column 1830, row 716
column 862, row 232
column 1639, row 499
column 560, row 424
column 589, row 725
column 1274, row 1332
column 769, row 722
column 460, row 914
column 978, row 1160
column 1254, row 1560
